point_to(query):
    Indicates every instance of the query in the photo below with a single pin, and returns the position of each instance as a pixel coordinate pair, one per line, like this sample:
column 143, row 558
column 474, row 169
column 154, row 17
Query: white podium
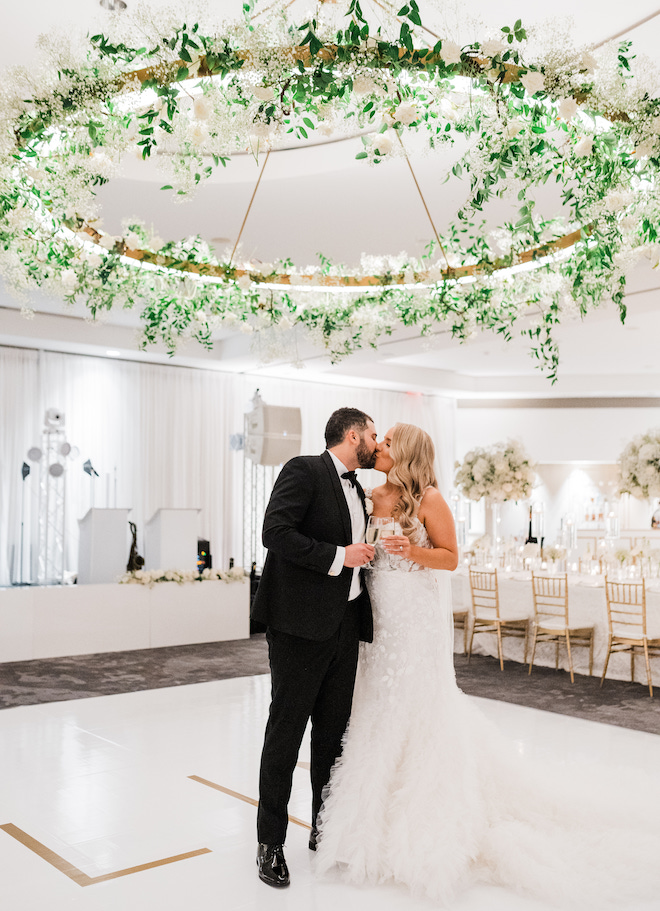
column 170, row 539
column 104, row 546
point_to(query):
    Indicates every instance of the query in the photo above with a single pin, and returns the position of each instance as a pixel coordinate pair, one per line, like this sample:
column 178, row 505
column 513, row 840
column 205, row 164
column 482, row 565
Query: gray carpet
column 59, row 679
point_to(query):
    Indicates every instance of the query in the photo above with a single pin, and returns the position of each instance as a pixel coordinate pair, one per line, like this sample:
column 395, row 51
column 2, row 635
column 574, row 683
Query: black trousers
column 309, row 680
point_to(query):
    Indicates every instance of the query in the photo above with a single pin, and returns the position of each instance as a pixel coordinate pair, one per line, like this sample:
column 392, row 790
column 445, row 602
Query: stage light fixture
column 34, row 454
column 56, row 470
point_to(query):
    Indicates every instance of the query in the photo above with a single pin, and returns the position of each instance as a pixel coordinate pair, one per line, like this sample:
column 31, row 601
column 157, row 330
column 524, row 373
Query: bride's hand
column 398, row 545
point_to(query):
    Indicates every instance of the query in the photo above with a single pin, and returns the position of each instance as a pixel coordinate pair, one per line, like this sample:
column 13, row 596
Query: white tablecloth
column 586, row 602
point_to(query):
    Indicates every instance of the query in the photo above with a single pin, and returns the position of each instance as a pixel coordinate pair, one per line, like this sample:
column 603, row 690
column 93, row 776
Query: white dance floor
column 99, row 808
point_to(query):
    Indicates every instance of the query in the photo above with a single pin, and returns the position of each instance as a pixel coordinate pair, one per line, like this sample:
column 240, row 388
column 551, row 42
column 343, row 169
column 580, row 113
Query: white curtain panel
column 162, row 434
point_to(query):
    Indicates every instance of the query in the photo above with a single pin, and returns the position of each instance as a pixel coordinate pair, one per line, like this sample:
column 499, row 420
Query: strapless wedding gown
column 430, row 794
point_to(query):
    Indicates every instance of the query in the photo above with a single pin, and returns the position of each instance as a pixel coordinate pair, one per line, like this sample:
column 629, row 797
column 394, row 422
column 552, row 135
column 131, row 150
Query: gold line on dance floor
column 82, row 879
column 250, row 800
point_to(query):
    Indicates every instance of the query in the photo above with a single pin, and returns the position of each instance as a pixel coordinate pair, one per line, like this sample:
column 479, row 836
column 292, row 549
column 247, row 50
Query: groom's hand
column 358, row 554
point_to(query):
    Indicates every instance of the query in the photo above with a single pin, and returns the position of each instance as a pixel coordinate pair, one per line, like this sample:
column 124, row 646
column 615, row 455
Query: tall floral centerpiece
column 499, row 473
column 639, row 466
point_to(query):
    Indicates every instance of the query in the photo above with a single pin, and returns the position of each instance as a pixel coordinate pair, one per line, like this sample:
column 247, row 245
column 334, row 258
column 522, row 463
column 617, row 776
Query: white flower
column 382, row 144
column 406, row 113
column 533, row 82
column 514, row 127
column 155, row 242
column 133, row 241
column 493, row 47
column 69, row 279
column 261, row 130
column 645, row 149
column 368, row 505
column 263, row 92
column 202, row 107
column 616, row 200
column 363, row 85
column 197, row 133
column 584, row 147
column 246, row 328
column 568, row 108
column 325, row 128
column 244, row 282
column 108, row 241
column 450, row 52
column 94, row 261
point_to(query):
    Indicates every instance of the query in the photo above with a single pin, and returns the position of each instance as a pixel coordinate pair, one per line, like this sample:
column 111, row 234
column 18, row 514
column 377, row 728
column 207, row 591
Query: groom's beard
column 365, row 458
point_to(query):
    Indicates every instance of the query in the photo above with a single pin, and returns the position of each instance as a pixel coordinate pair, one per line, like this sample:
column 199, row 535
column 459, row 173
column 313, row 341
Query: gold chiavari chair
column 486, row 612
column 551, row 623
column 626, row 618
column 461, row 621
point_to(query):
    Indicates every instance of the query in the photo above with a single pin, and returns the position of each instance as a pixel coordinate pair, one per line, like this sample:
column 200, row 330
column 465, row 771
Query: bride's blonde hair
column 413, row 453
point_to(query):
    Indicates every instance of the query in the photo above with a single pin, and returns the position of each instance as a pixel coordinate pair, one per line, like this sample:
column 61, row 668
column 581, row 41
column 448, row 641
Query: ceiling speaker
column 273, row 434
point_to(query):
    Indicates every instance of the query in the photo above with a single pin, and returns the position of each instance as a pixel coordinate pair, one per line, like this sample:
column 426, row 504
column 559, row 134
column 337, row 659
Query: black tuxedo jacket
column 306, row 519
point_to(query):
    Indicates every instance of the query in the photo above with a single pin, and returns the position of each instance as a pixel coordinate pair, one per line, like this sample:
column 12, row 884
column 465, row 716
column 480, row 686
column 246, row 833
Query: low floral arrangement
column 503, row 472
column 639, row 466
column 531, row 111
column 554, row 552
column 150, row 577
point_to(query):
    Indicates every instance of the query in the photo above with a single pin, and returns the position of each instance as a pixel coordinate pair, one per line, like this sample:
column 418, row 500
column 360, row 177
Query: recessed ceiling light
column 115, row 6
column 112, row 352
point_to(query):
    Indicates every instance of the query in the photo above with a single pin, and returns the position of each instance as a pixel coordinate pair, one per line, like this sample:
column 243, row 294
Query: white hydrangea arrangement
column 639, row 466
column 503, row 472
column 150, row 577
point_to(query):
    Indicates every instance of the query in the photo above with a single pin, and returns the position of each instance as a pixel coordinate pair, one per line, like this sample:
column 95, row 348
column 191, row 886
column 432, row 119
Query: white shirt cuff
column 338, row 562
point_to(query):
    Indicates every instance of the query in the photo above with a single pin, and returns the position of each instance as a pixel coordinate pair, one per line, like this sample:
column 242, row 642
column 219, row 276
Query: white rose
column 325, row 128
column 584, row 147
column 155, row 242
column 363, row 85
column 450, row 52
column 568, row 108
column 197, row 134
column 368, row 505
column 94, row 261
column 406, row 113
column 493, row 47
column 513, row 128
column 644, row 149
column 261, row 130
column 244, row 282
column 263, row 92
column 132, row 241
column 202, row 107
column 69, row 279
column 533, row 82
column 648, row 451
column 108, row 241
column 383, row 144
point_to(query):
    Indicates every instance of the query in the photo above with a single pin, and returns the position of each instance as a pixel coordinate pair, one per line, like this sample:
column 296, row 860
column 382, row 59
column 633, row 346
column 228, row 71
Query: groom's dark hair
column 341, row 421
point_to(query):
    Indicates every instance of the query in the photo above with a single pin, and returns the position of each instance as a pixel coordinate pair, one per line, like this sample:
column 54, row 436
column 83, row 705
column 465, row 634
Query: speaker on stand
column 272, row 436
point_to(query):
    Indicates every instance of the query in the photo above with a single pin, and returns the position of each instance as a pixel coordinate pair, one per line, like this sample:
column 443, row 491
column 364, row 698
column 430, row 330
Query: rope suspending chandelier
column 583, row 120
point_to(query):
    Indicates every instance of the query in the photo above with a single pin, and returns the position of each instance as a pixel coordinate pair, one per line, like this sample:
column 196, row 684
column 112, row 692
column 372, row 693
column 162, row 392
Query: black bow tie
column 350, row 476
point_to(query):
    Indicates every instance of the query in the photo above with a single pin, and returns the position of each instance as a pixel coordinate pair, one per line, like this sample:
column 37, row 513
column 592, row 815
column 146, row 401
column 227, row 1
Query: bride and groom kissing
column 419, row 788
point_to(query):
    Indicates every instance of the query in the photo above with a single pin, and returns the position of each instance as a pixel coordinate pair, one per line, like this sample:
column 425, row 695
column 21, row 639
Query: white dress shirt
column 358, row 528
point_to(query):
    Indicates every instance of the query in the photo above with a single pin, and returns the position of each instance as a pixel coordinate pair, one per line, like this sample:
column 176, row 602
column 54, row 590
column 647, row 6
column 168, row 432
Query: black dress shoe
column 272, row 867
column 313, row 838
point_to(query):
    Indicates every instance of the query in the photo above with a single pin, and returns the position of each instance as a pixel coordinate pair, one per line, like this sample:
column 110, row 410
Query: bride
column 427, row 792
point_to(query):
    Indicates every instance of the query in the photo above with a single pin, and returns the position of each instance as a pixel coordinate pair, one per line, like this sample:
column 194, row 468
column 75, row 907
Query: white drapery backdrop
column 163, row 432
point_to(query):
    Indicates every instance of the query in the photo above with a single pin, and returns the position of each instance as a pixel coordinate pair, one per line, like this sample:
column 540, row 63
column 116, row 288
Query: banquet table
column 587, row 607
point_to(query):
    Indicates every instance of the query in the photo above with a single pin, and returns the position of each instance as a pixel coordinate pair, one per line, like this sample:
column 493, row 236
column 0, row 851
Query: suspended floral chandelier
column 577, row 119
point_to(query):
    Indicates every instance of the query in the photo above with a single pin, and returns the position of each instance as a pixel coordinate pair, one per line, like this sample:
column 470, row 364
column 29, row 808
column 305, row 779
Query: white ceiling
column 318, row 198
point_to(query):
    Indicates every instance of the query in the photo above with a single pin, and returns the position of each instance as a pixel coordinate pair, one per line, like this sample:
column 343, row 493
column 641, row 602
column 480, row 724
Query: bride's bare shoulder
column 432, row 501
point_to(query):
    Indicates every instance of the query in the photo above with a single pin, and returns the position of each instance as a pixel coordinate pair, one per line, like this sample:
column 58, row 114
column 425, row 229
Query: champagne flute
column 390, row 527
column 377, row 528
column 372, row 535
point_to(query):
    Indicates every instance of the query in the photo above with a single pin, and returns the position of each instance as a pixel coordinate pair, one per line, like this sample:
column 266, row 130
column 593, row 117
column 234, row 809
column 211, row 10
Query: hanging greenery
column 201, row 93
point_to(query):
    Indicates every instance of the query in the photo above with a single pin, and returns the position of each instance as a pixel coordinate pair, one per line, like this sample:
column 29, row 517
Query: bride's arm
column 436, row 516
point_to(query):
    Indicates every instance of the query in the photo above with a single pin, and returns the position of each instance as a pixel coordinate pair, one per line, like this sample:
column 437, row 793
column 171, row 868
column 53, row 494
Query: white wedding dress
column 430, row 794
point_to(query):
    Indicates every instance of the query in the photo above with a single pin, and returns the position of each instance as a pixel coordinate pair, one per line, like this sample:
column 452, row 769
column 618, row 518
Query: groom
column 316, row 608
